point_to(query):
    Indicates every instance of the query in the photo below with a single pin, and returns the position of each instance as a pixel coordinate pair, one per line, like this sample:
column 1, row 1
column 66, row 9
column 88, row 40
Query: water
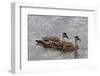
column 40, row 26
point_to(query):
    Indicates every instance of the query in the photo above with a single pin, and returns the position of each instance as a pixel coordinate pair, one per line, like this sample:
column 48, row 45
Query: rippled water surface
column 40, row 26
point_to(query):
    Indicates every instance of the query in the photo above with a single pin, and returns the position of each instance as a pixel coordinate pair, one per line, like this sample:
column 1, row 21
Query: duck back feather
column 52, row 38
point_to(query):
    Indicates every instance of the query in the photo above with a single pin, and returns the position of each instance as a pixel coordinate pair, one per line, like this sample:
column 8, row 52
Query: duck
column 70, row 46
column 52, row 41
column 56, row 39
column 64, row 46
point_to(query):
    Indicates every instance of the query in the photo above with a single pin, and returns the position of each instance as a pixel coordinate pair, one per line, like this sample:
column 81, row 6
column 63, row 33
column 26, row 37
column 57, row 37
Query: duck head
column 65, row 35
column 77, row 38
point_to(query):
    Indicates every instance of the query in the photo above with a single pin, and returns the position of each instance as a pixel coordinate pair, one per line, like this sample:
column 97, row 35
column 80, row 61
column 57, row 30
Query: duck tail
column 39, row 41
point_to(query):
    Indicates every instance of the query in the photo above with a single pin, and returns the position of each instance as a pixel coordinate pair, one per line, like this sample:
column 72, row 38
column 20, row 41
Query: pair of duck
column 62, row 43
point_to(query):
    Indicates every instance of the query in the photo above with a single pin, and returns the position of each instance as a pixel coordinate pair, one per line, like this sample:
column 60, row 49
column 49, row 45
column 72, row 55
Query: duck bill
column 67, row 37
column 79, row 39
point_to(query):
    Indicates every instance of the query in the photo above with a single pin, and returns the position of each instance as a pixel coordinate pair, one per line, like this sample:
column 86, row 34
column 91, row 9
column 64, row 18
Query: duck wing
column 52, row 38
column 68, row 43
column 68, row 46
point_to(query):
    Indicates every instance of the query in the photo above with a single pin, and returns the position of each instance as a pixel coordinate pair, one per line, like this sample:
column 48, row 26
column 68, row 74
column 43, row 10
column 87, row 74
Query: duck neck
column 76, row 42
column 62, row 39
